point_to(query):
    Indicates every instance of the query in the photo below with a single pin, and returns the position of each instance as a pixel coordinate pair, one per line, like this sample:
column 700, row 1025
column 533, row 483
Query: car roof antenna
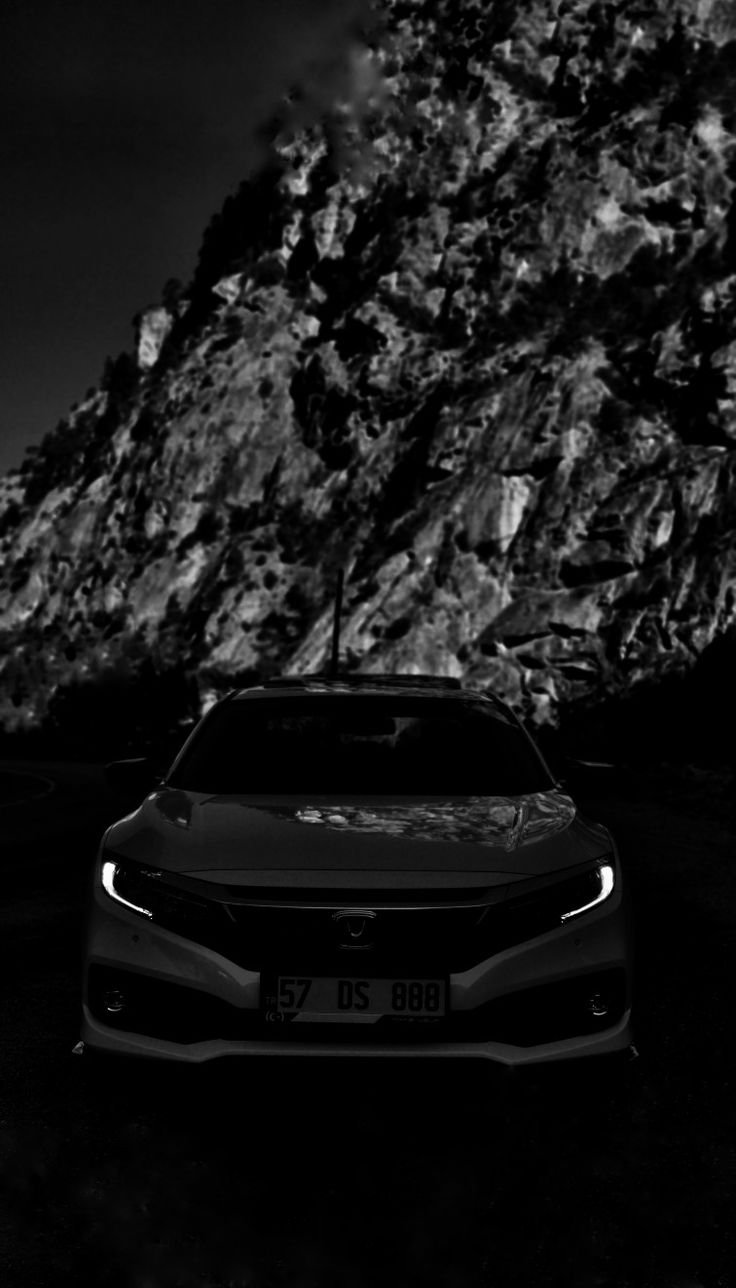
column 335, row 660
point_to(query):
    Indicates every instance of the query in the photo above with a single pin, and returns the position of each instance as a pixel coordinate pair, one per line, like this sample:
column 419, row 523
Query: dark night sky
column 125, row 125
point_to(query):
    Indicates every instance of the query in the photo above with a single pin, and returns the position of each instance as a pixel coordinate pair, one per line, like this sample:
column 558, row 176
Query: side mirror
column 135, row 777
column 588, row 775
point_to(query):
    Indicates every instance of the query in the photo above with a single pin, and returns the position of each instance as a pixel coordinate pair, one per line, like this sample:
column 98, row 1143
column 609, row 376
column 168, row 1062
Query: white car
column 378, row 865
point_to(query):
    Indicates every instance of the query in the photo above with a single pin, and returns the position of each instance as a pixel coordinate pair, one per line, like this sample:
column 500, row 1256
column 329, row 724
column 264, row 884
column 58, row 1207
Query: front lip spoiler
column 612, row 1041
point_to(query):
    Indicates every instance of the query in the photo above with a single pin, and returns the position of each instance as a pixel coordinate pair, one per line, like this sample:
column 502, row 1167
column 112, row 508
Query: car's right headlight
column 149, row 893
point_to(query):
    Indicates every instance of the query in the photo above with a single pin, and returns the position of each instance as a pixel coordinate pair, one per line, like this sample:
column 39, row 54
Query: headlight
column 113, row 883
column 149, row 893
column 595, row 887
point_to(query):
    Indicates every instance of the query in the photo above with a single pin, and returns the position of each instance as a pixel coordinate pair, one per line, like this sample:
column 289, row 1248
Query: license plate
column 351, row 999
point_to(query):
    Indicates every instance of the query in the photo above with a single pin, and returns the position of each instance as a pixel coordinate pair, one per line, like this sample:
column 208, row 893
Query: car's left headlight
column 588, row 890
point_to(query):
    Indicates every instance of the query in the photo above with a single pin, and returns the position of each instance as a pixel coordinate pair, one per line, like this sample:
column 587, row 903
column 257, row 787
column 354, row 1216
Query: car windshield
column 360, row 745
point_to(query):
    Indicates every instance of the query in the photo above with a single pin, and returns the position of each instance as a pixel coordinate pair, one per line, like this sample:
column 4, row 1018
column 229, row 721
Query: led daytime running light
column 606, row 874
column 109, row 872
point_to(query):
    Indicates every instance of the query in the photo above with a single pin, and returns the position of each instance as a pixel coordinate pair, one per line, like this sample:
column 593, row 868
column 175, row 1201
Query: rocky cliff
column 471, row 333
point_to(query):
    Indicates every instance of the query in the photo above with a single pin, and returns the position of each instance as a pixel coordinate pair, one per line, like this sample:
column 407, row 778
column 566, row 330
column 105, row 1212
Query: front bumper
column 523, row 1006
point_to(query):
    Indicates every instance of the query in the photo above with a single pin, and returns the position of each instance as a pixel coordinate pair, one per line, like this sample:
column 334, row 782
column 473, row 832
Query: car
column 346, row 865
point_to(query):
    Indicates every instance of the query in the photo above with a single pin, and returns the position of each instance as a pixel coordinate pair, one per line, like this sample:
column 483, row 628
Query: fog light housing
column 113, row 1001
column 598, row 1006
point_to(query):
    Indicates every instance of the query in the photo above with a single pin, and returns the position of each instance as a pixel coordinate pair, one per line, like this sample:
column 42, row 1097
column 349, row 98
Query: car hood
column 357, row 842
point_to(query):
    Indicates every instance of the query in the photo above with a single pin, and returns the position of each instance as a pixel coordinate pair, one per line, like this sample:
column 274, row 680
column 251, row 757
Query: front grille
column 441, row 938
column 172, row 1012
column 414, row 941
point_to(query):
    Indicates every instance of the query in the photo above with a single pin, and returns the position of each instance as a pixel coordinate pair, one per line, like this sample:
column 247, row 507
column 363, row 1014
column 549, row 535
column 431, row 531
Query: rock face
column 152, row 327
column 471, row 333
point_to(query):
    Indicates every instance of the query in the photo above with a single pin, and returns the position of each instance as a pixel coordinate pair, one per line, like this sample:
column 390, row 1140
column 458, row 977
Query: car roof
column 439, row 686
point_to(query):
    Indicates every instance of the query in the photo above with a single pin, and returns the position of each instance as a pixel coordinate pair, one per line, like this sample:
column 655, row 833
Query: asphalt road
column 306, row 1174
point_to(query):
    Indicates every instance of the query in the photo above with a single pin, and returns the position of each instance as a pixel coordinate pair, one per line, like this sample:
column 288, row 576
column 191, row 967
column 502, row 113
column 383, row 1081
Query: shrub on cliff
column 120, row 377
